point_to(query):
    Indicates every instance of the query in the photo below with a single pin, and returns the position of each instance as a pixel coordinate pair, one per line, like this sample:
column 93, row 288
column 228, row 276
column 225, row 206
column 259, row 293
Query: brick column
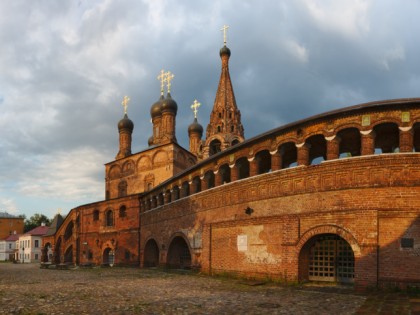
column 303, row 154
column 333, row 147
column 367, row 142
column 253, row 167
column 406, row 139
column 234, row 173
column 276, row 161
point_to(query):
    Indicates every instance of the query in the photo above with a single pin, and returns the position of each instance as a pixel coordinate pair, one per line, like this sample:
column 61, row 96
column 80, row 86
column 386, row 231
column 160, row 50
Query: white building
column 8, row 247
column 29, row 245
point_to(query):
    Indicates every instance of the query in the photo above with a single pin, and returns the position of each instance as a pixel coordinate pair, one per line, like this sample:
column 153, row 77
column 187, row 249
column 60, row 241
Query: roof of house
column 12, row 238
column 55, row 224
column 7, row 215
column 38, row 231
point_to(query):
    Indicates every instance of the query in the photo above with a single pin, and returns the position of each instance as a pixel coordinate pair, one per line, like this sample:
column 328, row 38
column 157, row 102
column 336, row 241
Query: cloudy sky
column 66, row 65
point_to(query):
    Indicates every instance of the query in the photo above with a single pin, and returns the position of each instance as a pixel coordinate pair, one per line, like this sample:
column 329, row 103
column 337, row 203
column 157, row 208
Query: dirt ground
column 27, row 289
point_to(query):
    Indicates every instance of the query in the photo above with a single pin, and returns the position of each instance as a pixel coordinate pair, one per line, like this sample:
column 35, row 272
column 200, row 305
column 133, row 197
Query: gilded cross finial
column 195, row 107
column 224, row 29
column 168, row 78
column 124, row 103
column 161, row 77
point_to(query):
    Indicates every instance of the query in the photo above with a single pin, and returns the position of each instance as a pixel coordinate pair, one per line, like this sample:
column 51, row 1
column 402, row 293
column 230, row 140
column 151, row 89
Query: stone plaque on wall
column 242, row 243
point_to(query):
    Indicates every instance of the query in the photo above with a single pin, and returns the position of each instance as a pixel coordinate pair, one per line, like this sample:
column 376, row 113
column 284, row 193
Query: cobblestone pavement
column 27, row 289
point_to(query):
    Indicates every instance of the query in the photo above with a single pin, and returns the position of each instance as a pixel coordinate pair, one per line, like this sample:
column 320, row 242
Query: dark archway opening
column 387, row 138
column 350, row 142
column 242, row 166
column 288, row 152
column 68, row 255
column 215, row 147
column 108, row 257
column 179, row 256
column 151, row 254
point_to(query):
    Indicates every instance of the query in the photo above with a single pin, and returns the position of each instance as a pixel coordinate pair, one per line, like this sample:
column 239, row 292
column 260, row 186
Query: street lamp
column 23, row 255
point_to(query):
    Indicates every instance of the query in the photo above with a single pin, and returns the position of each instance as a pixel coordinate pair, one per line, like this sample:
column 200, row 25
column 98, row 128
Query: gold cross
column 195, row 107
column 161, row 78
column 224, row 29
column 124, row 103
column 168, row 78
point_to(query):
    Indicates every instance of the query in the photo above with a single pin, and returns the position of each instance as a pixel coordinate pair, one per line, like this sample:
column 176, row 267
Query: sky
column 65, row 67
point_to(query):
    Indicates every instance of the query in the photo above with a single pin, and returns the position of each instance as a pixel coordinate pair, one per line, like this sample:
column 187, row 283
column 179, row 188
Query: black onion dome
column 125, row 123
column 150, row 141
column 224, row 51
column 195, row 127
column 169, row 105
column 156, row 109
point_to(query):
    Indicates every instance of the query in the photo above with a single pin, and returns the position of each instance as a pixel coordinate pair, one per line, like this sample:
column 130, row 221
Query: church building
column 333, row 197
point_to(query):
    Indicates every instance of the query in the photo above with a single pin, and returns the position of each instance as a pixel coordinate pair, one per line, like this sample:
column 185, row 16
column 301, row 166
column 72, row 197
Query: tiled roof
column 11, row 238
column 6, row 215
column 40, row 230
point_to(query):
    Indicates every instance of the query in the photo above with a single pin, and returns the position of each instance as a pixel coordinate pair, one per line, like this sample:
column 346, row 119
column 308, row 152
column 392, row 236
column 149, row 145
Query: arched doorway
column 108, row 257
column 68, row 255
column 57, row 252
column 179, row 255
column 151, row 254
column 327, row 257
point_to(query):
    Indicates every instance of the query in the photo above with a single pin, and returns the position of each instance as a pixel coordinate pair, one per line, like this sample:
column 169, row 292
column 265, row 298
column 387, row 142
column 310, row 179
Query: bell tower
column 225, row 128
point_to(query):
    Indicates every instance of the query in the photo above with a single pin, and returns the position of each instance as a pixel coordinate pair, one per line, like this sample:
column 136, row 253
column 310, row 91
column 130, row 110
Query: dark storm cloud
column 65, row 67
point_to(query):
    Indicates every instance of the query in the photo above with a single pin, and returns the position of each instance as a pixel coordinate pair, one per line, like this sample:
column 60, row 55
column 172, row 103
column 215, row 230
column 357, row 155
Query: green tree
column 36, row 220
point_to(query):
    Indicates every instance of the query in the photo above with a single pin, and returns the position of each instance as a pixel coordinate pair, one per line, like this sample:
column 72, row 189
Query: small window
column 36, row 243
column 96, row 215
column 220, row 115
column 109, row 218
column 407, row 243
column 127, row 255
column 123, row 212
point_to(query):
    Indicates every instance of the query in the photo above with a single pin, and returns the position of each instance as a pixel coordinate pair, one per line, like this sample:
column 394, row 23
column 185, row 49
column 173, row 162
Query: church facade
column 334, row 197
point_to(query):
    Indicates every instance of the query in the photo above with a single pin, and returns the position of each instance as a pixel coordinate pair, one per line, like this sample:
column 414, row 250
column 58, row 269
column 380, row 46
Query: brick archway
column 151, row 254
column 179, row 253
column 335, row 249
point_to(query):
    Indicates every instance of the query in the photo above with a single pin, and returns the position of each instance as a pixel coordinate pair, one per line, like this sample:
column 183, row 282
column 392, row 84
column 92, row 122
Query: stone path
column 27, row 289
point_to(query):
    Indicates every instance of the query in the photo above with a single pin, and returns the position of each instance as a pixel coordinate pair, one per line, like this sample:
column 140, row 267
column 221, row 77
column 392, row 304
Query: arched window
column 109, row 218
column 416, row 137
column 263, row 159
column 185, row 189
column 225, row 173
column 123, row 212
column 215, row 146
column 196, row 184
column 95, row 215
column 235, row 142
column 317, row 149
column 387, row 138
column 242, row 165
column 350, row 142
column 122, row 189
column 209, row 178
column 288, row 152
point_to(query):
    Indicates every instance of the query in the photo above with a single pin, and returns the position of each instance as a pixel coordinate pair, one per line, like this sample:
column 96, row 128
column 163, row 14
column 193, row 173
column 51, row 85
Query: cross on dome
column 195, row 107
column 161, row 77
column 124, row 103
column 168, row 78
column 224, row 30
